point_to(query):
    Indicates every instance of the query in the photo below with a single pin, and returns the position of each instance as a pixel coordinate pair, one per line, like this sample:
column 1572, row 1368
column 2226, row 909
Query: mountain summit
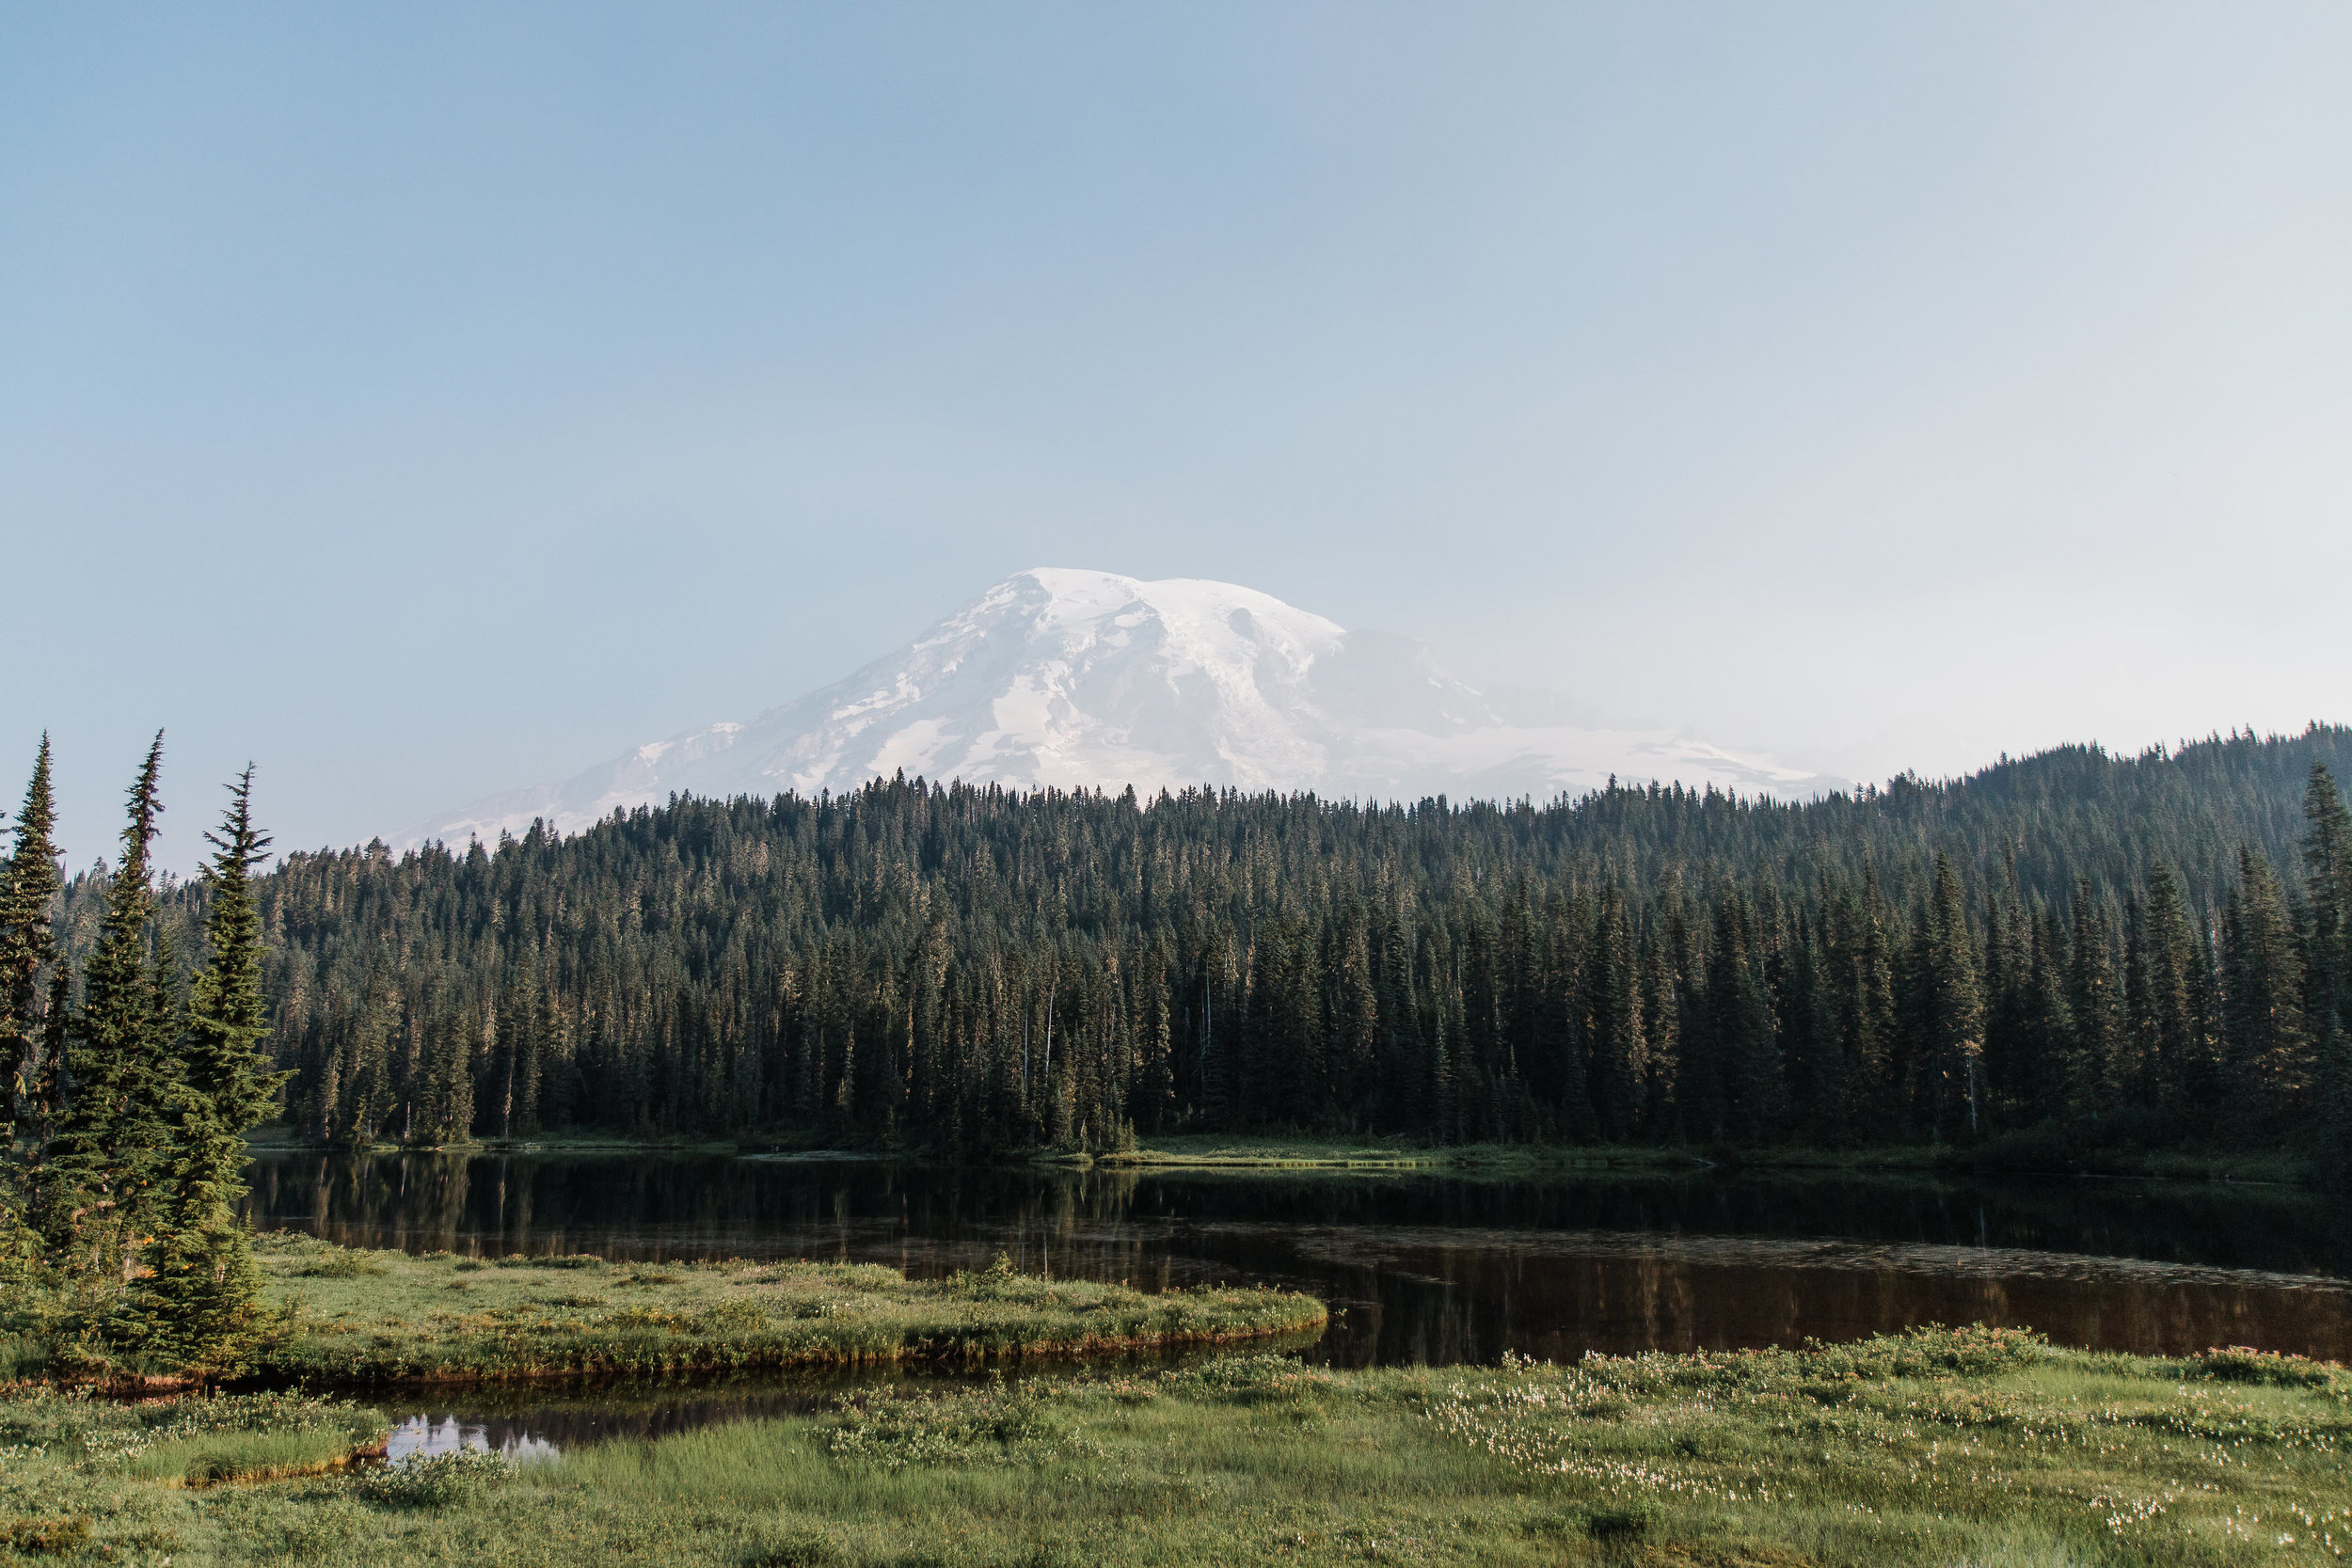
column 1089, row 680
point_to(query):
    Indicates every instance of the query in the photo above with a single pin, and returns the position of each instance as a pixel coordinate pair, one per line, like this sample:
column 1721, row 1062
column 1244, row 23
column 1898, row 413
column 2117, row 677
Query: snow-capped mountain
column 1090, row 680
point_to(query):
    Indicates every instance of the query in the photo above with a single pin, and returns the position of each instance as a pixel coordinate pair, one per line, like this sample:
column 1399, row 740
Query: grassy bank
column 2032, row 1151
column 1225, row 1151
column 2021, row 1155
column 378, row 1317
column 1981, row 1448
column 357, row 1319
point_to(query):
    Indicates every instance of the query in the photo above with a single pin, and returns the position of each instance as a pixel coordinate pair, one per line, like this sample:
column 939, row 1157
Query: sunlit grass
column 1934, row 1448
column 380, row 1318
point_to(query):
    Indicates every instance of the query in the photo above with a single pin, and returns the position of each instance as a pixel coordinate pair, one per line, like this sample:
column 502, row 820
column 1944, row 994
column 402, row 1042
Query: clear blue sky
column 422, row 400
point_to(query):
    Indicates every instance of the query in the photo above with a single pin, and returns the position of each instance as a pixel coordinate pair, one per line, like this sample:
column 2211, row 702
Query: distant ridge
column 1083, row 679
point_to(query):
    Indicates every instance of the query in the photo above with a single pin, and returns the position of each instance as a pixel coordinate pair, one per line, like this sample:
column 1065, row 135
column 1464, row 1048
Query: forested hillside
column 2145, row 949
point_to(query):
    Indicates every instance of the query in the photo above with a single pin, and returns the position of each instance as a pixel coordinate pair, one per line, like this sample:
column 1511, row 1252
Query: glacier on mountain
column 1088, row 680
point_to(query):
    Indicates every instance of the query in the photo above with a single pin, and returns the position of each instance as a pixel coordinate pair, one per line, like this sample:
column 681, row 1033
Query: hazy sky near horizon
column 427, row 400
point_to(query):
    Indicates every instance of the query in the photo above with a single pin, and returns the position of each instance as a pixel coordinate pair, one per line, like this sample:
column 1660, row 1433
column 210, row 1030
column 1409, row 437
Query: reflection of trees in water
column 1467, row 1304
column 1404, row 1297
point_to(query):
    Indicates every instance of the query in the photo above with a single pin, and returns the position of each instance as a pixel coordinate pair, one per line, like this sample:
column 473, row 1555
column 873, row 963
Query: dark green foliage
column 199, row 1306
column 113, row 1127
column 130, row 1162
column 2328, row 969
column 2266, row 1064
column 972, row 970
column 1948, row 1028
column 29, row 894
column 28, row 975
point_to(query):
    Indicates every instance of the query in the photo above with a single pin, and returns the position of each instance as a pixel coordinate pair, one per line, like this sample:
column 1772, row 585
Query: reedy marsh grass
column 1935, row 1448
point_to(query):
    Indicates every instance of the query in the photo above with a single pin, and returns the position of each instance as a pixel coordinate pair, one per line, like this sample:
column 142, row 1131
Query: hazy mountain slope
column 1089, row 680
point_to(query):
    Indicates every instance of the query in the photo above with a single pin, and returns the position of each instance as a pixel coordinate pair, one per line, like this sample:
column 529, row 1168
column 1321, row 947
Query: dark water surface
column 1420, row 1268
column 1431, row 1268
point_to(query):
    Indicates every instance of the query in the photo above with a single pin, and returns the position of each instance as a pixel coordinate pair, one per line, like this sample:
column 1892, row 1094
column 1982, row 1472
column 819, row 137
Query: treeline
column 2104, row 949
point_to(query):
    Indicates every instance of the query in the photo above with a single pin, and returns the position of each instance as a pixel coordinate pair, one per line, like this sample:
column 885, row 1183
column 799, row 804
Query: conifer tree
column 2049, row 1042
column 112, row 1132
column 2327, row 970
column 1620, row 1056
column 2331, row 1140
column 1662, row 1029
column 199, row 1308
column 2092, row 1000
column 1952, row 1014
column 28, row 888
column 1740, row 1022
column 2265, row 1043
column 2176, row 1039
column 2328, row 873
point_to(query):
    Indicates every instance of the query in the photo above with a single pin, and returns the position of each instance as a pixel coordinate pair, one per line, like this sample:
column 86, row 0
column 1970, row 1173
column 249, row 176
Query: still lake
column 1421, row 1267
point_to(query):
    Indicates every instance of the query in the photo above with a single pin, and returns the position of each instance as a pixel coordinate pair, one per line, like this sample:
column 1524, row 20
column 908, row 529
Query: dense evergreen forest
column 2150, row 950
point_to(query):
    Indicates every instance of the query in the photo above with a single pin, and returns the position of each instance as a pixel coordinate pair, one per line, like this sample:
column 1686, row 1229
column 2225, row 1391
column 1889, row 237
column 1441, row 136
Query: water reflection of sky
column 424, row 1437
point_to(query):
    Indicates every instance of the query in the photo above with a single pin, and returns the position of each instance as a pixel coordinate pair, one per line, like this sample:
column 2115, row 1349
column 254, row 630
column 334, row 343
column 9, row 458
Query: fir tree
column 2327, row 891
column 2327, row 970
column 1952, row 1008
column 2049, row 1042
column 2091, row 999
column 28, row 888
column 1620, row 1054
column 2331, row 1140
column 114, row 1133
column 2265, row 1046
column 200, row 1306
column 2178, row 1049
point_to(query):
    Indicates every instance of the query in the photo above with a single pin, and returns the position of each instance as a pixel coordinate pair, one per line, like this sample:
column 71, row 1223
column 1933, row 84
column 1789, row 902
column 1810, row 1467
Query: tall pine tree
column 28, row 888
column 199, row 1308
column 2266, row 1045
column 2328, row 969
column 113, row 1130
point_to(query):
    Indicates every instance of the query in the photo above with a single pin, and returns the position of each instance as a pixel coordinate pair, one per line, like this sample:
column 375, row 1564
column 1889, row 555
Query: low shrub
column 436, row 1481
column 2242, row 1363
column 1620, row 1524
column 48, row 1537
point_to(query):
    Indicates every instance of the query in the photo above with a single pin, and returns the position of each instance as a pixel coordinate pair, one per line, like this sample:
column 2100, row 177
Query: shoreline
column 1373, row 1156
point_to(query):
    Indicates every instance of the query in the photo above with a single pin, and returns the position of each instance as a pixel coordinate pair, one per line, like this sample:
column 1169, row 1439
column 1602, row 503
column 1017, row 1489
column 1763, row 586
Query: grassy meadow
column 373, row 1318
column 1977, row 1448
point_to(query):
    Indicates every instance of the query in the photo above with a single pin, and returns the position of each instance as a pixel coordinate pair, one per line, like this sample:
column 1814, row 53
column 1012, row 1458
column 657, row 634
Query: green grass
column 1936, row 1448
column 186, row 1440
column 2021, row 1154
column 371, row 1319
column 1221, row 1150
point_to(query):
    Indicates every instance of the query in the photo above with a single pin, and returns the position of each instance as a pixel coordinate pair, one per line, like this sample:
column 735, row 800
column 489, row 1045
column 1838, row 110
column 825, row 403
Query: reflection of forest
column 1461, row 1302
column 1426, row 1267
